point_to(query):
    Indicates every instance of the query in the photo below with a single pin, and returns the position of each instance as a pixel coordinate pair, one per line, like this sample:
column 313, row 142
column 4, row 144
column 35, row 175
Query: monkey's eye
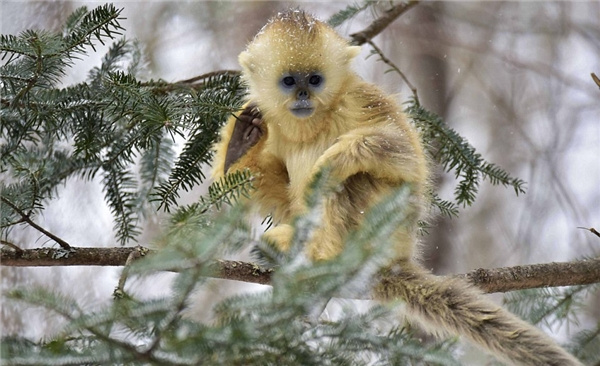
column 288, row 81
column 315, row 80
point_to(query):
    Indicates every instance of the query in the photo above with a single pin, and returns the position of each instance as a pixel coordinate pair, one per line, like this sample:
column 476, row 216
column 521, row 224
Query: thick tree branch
column 581, row 272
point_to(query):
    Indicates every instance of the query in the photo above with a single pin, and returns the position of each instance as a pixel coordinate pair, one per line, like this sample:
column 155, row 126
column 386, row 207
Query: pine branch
column 99, row 23
column 456, row 154
column 591, row 230
column 347, row 13
column 46, row 54
column 585, row 344
column 581, row 272
column 219, row 97
column 228, row 189
column 446, row 208
column 119, row 192
column 69, row 309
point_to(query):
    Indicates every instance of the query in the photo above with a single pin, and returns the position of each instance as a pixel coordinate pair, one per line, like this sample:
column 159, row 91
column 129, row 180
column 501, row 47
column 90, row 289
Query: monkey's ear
column 245, row 61
column 352, row 52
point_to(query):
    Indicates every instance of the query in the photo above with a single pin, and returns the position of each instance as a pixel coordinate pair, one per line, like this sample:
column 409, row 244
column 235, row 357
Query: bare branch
column 134, row 255
column 246, row 272
column 386, row 60
column 25, row 218
column 9, row 244
column 362, row 37
column 596, row 79
column 506, row 279
column 591, row 229
column 201, row 78
column 196, row 82
column 582, row 272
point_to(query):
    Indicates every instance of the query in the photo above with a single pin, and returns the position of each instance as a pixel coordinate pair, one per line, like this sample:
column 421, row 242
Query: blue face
column 302, row 86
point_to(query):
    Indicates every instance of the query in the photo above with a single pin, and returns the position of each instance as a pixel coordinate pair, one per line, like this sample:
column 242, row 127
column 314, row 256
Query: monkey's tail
column 458, row 308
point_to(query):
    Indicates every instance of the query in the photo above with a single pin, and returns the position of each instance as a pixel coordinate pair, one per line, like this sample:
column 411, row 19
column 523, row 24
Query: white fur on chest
column 299, row 160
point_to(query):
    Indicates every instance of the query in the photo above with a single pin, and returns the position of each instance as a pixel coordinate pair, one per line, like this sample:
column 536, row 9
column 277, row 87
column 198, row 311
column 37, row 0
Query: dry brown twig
column 379, row 24
column 26, row 219
column 596, row 79
column 590, row 229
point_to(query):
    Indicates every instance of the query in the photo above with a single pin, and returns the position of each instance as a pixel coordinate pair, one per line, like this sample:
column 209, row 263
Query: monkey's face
column 295, row 68
column 301, row 89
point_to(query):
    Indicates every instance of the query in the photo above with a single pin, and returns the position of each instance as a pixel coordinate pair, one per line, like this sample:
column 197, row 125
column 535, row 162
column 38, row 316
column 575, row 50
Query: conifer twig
column 581, row 272
column 25, row 218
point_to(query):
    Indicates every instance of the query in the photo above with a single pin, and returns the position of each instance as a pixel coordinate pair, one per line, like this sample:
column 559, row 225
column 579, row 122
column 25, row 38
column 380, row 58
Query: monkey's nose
column 302, row 95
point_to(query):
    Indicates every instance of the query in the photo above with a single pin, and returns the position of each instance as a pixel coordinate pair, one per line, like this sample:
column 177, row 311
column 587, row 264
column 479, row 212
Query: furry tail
column 458, row 308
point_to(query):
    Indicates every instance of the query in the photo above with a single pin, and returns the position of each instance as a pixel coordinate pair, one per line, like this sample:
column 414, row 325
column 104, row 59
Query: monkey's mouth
column 302, row 112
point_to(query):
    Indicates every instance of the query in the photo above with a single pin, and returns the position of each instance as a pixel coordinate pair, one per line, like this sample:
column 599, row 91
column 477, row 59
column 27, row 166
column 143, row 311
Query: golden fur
column 364, row 138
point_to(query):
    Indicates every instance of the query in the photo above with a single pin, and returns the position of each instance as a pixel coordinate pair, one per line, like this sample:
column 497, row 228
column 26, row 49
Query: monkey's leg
column 343, row 210
column 460, row 309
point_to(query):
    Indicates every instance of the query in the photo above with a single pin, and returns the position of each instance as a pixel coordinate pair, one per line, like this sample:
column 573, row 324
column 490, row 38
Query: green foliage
column 447, row 147
column 585, row 345
column 456, row 155
column 282, row 325
column 446, row 208
column 349, row 12
column 549, row 306
column 219, row 97
column 112, row 125
column 229, row 189
column 555, row 307
column 123, row 131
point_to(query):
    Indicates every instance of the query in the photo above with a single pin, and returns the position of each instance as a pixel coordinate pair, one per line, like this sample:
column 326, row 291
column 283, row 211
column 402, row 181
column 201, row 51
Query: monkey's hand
column 247, row 131
column 242, row 147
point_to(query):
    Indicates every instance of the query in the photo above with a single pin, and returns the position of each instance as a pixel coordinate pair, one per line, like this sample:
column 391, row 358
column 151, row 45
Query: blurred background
column 511, row 77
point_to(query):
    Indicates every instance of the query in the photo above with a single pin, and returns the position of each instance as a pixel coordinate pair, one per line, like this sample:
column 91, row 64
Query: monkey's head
column 295, row 68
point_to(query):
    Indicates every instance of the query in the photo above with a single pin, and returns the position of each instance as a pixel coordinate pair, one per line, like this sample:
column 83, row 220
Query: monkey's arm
column 391, row 152
column 242, row 146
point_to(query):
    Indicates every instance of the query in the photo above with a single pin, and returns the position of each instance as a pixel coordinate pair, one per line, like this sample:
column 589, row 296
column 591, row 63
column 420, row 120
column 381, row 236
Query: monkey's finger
column 253, row 134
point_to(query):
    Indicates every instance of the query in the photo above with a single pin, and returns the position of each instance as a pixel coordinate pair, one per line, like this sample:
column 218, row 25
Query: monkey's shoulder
column 372, row 105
